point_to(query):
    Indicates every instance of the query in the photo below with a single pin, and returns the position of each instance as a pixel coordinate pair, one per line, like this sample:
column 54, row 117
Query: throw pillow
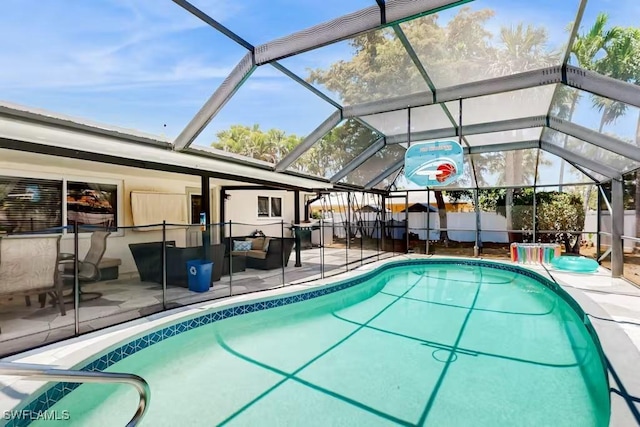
column 241, row 245
column 265, row 248
column 257, row 243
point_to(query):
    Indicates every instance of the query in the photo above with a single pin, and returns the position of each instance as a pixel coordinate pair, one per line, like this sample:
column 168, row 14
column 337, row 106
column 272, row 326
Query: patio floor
column 127, row 298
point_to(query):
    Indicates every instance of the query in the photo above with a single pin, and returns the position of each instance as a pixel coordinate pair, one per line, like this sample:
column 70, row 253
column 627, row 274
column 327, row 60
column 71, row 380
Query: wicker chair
column 29, row 266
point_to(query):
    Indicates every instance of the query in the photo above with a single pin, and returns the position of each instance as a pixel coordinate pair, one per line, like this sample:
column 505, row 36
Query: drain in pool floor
column 443, row 355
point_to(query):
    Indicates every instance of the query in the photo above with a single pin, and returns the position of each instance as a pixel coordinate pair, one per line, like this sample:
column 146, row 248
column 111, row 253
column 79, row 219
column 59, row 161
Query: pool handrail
column 37, row 372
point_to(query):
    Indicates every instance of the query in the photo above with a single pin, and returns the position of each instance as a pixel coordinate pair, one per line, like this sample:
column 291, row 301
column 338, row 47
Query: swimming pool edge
column 111, row 346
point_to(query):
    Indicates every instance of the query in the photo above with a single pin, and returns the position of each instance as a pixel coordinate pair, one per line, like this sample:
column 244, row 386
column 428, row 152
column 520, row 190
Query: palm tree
column 584, row 52
column 522, row 48
column 620, row 62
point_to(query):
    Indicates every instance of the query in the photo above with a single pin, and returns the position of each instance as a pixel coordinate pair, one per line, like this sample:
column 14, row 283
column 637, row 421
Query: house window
column 30, row 205
column 263, row 207
column 276, row 206
column 92, row 205
column 269, row 207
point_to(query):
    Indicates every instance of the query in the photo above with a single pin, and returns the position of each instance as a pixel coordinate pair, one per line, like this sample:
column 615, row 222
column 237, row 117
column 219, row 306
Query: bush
column 557, row 213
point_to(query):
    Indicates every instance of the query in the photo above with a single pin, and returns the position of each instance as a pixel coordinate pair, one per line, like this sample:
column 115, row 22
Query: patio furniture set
column 33, row 264
column 265, row 256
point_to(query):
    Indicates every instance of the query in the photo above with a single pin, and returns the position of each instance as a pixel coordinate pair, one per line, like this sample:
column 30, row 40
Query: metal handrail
column 34, row 372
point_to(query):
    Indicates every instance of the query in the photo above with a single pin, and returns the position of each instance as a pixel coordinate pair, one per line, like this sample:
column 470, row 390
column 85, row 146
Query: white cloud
column 113, row 43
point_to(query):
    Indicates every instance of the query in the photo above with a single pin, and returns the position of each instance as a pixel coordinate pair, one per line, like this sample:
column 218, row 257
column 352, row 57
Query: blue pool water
column 429, row 344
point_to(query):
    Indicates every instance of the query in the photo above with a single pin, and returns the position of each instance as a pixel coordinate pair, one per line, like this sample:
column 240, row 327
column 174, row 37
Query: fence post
column 164, row 264
column 282, row 248
column 346, row 250
column 321, row 249
column 377, row 226
column 428, row 222
column 598, row 219
column 535, row 223
column 76, row 280
column 230, row 259
column 478, row 245
column 348, row 235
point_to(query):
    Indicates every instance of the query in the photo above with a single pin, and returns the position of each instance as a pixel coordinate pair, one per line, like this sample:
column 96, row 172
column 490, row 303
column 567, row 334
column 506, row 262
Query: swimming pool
column 443, row 342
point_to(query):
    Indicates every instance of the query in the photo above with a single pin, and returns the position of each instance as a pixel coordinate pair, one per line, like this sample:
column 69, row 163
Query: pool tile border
column 53, row 394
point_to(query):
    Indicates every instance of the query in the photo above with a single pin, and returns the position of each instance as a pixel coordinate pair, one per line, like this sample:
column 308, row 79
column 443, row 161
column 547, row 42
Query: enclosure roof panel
column 332, row 90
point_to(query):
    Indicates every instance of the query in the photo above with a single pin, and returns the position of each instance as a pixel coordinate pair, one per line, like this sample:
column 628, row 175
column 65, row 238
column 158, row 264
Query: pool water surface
column 428, row 344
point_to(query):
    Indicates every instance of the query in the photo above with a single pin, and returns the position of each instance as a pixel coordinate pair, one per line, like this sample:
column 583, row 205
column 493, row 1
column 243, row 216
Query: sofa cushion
column 257, row 243
column 241, row 245
column 266, row 244
column 256, row 254
column 109, row 262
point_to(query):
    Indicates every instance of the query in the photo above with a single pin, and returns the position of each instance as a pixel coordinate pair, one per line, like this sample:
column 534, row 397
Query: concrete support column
column 617, row 227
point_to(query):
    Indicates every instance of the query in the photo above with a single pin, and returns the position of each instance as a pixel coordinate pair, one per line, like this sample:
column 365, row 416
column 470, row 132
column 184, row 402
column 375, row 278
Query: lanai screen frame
column 391, row 13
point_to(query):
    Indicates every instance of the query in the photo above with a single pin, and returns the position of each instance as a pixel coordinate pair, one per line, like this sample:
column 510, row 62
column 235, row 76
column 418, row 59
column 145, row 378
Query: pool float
column 578, row 264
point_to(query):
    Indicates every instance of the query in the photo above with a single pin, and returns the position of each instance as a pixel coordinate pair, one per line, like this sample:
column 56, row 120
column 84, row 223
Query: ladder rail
column 35, row 372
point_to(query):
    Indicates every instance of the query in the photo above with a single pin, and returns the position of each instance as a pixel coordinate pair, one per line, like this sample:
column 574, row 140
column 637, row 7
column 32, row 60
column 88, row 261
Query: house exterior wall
column 241, row 207
column 242, row 210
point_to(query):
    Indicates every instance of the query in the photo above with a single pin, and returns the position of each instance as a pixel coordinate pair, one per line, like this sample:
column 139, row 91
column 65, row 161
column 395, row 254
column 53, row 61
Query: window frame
column 268, row 213
column 65, row 178
column 269, row 207
column 271, row 199
column 118, row 197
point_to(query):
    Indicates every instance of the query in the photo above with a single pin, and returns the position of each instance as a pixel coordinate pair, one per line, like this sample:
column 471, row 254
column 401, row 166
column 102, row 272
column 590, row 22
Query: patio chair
column 29, row 266
column 88, row 268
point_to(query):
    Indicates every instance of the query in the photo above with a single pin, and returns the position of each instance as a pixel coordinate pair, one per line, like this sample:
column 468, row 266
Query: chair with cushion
column 29, row 266
column 262, row 253
column 89, row 267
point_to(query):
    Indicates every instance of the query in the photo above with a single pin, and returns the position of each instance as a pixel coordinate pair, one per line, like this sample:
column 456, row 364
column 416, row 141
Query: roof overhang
column 26, row 134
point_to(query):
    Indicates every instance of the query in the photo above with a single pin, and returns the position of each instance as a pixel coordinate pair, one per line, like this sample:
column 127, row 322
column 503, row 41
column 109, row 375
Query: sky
column 149, row 65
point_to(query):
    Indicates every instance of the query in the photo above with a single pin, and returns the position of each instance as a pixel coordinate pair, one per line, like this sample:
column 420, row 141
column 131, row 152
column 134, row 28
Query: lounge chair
column 29, row 266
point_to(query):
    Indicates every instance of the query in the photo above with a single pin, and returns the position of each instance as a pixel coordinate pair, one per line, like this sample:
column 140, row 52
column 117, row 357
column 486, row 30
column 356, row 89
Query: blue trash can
column 199, row 272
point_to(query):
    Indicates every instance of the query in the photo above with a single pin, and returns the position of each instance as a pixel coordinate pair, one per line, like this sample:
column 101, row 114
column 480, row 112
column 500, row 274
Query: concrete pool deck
column 613, row 306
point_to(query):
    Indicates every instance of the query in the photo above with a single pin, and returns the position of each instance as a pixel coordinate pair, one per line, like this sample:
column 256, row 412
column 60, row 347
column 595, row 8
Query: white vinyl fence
column 462, row 225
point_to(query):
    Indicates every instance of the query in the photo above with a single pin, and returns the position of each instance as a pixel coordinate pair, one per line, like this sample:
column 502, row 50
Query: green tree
column 325, row 158
column 270, row 146
column 621, row 61
column 586, row 48
column 559, row 215
column 336, row 149
column 457, row 52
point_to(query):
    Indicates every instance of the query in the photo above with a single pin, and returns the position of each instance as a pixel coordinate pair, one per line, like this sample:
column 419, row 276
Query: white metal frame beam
column 607, row 87
column 572, row 157
column 507, row 146
column 474, row 129
column 315, row 136
column 212, row 22
column 582, row 169
column 525, row 80
column 384, row 174
column 347, row 26
column 220, row 97
column 596, row 138
column 358, row 160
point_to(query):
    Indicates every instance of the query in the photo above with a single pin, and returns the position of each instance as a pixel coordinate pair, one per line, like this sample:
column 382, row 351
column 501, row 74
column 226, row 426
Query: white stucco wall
column 128, row 179
column 242, row 210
